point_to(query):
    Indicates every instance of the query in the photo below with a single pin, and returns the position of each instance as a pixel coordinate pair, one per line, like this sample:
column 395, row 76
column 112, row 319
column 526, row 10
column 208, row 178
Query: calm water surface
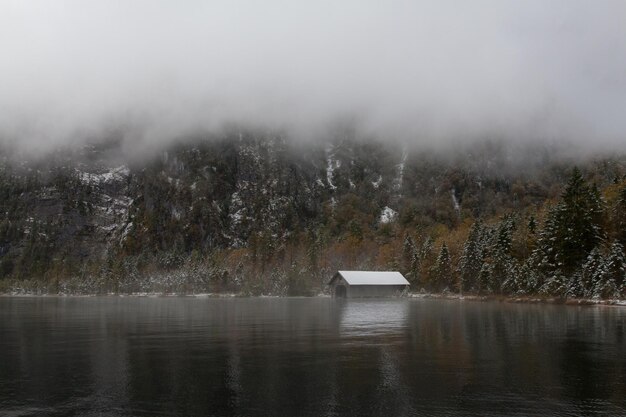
column 308, row 357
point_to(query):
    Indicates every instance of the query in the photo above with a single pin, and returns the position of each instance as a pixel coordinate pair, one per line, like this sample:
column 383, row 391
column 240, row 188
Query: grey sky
column 423, row 71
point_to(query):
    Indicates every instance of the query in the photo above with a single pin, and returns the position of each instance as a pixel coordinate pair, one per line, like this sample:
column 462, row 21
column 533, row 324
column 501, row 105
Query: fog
column 423, row 72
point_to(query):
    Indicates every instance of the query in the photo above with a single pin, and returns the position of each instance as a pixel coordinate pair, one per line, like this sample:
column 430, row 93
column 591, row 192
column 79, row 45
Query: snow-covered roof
column 372, row 278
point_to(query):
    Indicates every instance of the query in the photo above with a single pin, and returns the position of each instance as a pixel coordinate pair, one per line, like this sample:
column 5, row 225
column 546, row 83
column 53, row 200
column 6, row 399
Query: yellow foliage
column 611, row 193
column 386, row 254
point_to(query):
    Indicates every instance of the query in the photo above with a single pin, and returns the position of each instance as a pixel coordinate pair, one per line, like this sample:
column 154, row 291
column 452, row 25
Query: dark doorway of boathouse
column 340, row 291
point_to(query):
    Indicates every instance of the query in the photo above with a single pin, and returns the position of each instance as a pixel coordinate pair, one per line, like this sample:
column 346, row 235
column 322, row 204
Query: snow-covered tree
column 619, row 217
column 502, row 263
column 573, row 228
column 442, row 271
column 408, row 250
column 484, row 278
column 592, row 273
column 526, row 279
column 415, row 266
column 543, row 258
column 574, row 285
column 472, row 259
column 556, row 284
column 612, row 283
column 427, row 248
column 514, row 282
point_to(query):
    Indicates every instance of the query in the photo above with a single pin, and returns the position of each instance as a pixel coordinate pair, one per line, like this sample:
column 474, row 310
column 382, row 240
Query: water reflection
column 372, row 317
column 314, row 357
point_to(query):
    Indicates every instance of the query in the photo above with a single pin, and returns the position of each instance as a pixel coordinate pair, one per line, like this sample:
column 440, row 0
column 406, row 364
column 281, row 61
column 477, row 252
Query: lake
column 308, row 357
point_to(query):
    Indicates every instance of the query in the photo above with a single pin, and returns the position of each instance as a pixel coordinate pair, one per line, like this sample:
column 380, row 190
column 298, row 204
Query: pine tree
column 574, row 285
column 573, row 228
column 592, row 273
column 619, row 217
column 502, row 262
column 612, row 284
column 513, row 284
column 442, row 273
column 408, row 249
column 427, row 248
column 523, row 280
column 472, row 259
column 532, row 225
column 416, row 265
column 543, row 257
column 579, row 222
column 556, row 284
column 484, row 278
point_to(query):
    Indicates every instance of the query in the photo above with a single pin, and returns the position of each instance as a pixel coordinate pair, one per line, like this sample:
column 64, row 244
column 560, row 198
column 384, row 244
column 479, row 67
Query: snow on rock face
column 117, row 174
column 388, row 215
column 397, row 182
column 377, row 183
column 330, row 168
column 237, row 208
column 455, row 202
column 127, row 229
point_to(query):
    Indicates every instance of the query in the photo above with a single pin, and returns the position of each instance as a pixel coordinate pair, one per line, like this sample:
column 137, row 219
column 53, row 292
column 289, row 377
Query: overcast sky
column 422, row 71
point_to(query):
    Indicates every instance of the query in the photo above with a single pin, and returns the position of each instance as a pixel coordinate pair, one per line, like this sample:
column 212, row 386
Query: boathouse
column 358, row 284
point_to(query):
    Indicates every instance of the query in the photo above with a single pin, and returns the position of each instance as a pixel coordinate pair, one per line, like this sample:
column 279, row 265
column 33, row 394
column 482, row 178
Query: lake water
column 308, row 357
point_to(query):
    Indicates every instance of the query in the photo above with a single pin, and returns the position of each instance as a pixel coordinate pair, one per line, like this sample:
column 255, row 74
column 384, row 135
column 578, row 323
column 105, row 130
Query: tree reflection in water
column 320, row 356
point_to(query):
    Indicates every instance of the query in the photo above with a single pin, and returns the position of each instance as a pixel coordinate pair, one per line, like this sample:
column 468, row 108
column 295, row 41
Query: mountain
column 263, row 214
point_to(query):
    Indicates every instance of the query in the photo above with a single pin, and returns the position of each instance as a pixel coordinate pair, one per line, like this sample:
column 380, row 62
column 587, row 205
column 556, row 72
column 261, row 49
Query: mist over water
column 420, row 72
column 315, row 356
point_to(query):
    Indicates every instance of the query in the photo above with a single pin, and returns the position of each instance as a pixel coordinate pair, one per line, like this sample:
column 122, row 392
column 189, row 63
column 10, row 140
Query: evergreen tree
column 579, row 222
column 442, row 274
column 523, row 280
column 408, row 249
column 619, row 217
column 513, row 284
column 612, row 284
column 502, row 262
column 472, row 259
column 543, row 257
column 427, row 248
column 573, row 228
column 484, row 278
column 592, row 273
column 574, row 285
column 414, row 269
column 556, row 284
column 532, row 225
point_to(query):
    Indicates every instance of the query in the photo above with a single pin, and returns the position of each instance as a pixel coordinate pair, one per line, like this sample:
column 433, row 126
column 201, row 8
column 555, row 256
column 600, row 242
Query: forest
column 254, row 214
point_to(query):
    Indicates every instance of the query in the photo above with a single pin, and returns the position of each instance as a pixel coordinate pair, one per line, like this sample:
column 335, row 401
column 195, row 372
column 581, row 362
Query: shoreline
column 433, row 296
column 522, row 299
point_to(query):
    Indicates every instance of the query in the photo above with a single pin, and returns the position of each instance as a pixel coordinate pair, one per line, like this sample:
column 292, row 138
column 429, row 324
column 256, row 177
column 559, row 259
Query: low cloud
column 421, row 71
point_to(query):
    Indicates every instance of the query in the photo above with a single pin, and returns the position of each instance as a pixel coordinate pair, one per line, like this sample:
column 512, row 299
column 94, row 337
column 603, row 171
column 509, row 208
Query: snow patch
column 109, row 228
column 116, row 174
column 330, row 168
column 388, row 215
column 127, row 230
column 236, row 217
column 397, row 183
column 377, row 183
column 455, row 202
